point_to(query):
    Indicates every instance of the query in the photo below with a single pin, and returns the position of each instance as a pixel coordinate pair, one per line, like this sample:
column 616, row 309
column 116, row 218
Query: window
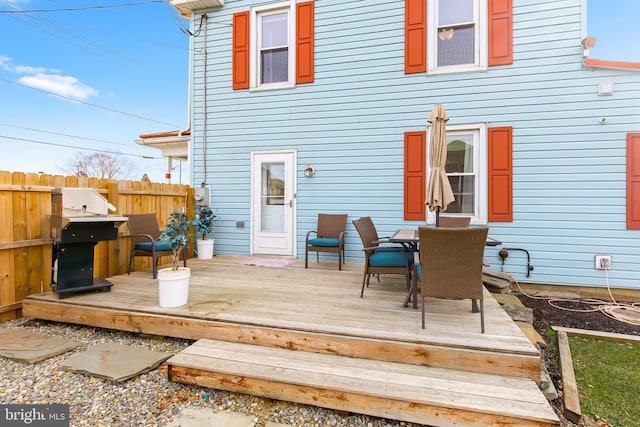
column 466, row 169
column 457, row 35
column 273, row 46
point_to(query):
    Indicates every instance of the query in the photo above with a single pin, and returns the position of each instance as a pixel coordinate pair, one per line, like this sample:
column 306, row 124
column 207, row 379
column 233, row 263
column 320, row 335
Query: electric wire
column 70, row 35
column 113, row 110
column 79, row 148
column 66, row 134
column 75, row 39
column 73, row 9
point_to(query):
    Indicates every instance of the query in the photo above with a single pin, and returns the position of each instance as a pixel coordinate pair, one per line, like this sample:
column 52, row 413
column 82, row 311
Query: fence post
column 113, row 255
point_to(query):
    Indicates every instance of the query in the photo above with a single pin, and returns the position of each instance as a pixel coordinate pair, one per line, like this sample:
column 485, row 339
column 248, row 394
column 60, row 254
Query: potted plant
column 203, row 223
column 174, row 281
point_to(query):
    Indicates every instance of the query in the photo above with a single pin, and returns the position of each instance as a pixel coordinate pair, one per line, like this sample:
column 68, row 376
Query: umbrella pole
column 437, row 217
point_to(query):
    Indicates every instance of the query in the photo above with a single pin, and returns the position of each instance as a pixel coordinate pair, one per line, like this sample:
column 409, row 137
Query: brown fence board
column 25, row 228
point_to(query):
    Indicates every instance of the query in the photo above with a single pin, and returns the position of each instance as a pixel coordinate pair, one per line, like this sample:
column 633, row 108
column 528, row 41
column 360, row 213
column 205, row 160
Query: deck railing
column 25, row 229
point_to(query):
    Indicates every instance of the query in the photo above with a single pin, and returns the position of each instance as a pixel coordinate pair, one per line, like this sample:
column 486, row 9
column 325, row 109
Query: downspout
column 189, row 100
column 204, row 106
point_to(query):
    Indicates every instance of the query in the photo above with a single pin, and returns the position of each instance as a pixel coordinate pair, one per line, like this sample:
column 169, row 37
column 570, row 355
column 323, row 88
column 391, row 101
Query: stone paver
column 116, row 362
column 207, row 417
column 33, row 347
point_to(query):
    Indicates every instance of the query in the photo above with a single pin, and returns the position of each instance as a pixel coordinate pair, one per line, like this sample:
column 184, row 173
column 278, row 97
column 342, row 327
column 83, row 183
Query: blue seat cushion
column 419, row 270
column 391, row 248
column 161, row 245
column 325, row 242
column 386, row 258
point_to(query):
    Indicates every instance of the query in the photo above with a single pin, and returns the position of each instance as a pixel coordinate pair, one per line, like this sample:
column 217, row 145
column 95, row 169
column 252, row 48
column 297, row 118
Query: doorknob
column 291, row 203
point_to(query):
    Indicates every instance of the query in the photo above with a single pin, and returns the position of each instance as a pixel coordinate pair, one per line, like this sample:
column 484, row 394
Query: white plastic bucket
column 173, row 286
column 205, row 248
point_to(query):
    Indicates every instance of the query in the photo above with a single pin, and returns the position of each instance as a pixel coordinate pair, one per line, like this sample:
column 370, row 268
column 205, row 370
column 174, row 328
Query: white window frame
column 481, row 20
column 480, row 167
column 254, row 61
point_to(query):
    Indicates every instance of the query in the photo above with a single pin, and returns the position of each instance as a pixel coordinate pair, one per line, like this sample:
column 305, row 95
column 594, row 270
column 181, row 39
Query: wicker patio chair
column 329, row 237
column 451, row 265
column 381, row 259
column 144, row 232
column 454, row 221
column 458, row 222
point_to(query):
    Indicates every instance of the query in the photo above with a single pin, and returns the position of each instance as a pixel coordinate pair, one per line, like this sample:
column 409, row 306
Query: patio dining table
column 408, row 237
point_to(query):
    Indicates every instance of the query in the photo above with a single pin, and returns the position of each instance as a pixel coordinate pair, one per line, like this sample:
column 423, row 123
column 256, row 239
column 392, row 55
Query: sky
column 123, row 71
column 120, row 72
column 615, row 24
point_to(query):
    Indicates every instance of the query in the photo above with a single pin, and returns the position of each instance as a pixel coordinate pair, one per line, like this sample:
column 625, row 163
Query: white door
column 273, row 203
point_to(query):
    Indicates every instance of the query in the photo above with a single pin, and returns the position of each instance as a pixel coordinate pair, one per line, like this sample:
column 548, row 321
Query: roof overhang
column 614, row 65
column 186, row 7
column 172, row 144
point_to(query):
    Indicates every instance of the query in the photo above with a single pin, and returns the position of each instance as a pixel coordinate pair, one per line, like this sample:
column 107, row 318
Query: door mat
column 270, row 262
column 32, row 347
column 115, row 362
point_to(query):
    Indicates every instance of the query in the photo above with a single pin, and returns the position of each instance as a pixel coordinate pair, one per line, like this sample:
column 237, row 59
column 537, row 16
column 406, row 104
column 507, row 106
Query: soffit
column 186, row 7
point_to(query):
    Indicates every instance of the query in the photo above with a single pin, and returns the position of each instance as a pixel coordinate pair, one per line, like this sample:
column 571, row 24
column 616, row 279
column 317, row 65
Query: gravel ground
column 146, row 400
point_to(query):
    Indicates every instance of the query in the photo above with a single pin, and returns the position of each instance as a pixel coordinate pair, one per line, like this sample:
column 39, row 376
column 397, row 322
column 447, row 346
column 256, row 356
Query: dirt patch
column 571, row 313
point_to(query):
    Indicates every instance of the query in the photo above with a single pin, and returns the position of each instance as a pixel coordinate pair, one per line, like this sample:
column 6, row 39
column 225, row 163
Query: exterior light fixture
column 588, row 42
column 309, row 171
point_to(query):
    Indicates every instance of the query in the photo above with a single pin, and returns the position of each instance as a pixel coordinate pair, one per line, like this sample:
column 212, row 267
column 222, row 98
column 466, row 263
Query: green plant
column 203, row 221
column 608, row 379
column 176, row 232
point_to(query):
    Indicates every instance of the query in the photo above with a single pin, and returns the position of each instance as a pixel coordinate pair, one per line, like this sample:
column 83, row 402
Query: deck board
column 305, row 335
column 317, row 308
column 425, row 395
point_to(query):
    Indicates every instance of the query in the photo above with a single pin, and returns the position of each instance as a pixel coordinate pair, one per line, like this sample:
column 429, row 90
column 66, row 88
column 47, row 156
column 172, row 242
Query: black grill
column 79, row 220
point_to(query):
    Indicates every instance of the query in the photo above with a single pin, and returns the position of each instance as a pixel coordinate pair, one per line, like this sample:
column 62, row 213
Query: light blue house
column 302, row 107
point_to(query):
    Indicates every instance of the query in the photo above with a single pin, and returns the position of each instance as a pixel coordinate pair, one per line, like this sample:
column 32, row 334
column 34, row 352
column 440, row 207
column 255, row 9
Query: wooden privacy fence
column 25, row 229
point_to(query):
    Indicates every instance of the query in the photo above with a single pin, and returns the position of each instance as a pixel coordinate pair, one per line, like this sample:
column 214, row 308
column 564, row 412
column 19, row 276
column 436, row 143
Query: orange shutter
column 415, row 175
column 304, row 42
column 500, row 32
column 240, row 61
column 633, row 181
column 415, row 36
column 500, row 174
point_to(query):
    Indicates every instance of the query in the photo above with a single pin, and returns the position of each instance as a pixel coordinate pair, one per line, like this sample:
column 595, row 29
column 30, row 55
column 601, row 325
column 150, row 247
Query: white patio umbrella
column 439, row 193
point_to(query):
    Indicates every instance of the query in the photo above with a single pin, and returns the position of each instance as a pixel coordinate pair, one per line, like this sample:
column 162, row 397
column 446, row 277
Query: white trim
column 480, row 167
column 254, row 59
column 481, row 15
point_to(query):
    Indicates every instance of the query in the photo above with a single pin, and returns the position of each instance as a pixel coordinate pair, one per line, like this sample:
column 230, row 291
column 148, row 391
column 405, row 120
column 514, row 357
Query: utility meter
column 202, row 195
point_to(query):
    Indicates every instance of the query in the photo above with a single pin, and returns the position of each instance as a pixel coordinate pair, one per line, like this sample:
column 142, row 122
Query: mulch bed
column 580, row 314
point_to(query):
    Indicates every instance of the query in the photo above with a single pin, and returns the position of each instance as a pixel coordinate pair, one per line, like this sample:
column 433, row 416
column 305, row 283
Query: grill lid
column 80, row 202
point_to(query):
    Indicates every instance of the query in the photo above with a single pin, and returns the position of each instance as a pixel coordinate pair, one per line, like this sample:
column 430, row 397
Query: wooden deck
column 317, row 310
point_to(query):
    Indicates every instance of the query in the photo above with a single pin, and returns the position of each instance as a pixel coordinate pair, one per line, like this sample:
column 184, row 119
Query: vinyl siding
column 569, row 176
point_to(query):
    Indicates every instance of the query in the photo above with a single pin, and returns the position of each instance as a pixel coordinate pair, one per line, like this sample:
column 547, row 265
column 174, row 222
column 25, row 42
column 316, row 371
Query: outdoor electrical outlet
column 603, row 262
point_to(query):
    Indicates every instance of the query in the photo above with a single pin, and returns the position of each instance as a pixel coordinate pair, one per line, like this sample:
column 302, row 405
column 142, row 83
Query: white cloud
column 49, row 80
column 5, row 63
column 60, row 85
column 25, row 69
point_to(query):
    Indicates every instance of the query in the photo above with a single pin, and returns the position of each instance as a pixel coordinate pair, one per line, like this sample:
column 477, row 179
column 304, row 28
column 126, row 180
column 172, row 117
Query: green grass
column 608, row 379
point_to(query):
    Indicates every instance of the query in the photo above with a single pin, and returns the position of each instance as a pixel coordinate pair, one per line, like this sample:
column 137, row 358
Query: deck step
column 418, row 394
